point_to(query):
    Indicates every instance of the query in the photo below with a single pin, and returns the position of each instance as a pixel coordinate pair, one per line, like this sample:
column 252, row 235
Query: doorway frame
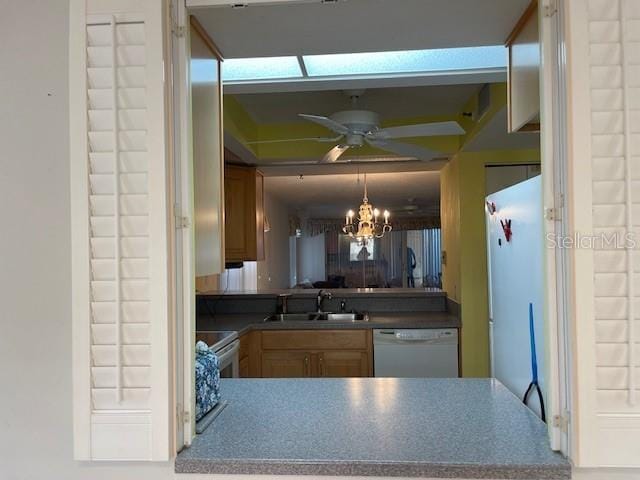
column 554, row 165
column 179, row 76
column 554, row 134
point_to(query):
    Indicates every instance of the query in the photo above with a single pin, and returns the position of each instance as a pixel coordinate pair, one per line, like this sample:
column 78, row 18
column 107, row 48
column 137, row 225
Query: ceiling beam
column 343, row 82
column 241, row 3
column 315, row 168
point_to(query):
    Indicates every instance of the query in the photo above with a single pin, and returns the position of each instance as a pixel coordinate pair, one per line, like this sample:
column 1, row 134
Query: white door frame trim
column 183, row 211
column 553, row 142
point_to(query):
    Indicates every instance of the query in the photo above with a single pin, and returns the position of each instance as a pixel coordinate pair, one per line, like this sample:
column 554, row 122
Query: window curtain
column 432, row 263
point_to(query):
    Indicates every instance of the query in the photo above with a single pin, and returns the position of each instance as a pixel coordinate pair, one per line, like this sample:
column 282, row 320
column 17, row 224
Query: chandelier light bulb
column 366, row 225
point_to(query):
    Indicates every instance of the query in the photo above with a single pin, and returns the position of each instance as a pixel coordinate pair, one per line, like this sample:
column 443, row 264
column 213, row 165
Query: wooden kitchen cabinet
column 249, row 355
column 244, row 368
column 316, row 353
column 286, row 364
column 345, row 363
column 244, row 213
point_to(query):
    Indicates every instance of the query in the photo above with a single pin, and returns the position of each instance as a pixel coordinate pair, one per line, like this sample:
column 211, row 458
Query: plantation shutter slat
column 120, row 250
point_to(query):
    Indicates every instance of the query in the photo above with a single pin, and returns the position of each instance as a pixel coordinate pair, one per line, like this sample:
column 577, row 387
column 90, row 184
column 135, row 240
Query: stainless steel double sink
column 318, row 317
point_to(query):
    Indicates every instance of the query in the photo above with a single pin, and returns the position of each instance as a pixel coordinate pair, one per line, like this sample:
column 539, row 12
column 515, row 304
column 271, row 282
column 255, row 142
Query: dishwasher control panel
column 417, row 334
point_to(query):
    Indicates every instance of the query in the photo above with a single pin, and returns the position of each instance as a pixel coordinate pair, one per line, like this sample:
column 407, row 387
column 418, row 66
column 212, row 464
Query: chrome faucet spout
column 320, row 299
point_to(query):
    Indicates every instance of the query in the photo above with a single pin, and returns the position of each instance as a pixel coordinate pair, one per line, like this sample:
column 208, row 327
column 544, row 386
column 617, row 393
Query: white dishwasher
column 415, row 352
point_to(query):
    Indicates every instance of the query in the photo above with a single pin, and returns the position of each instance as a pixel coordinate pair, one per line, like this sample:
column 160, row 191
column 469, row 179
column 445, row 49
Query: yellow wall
column 450, row 227
column 462, row 183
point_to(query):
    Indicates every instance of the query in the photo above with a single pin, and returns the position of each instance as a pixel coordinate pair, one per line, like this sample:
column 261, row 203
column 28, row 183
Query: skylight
column 247, row 70
column 410, row 61
column 263, row 68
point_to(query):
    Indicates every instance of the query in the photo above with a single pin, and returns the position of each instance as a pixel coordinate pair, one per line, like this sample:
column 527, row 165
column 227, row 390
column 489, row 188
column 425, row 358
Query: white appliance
column 229, row 360
column 226, row 346
column 515, row 280
column 415, row 352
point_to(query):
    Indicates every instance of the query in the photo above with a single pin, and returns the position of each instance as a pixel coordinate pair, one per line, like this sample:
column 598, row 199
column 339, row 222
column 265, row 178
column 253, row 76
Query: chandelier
column 366, row 226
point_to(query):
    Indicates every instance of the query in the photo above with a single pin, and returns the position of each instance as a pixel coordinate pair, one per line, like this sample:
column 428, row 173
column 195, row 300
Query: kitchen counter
column 244, row 322
column 444, row 428
column 339, row 292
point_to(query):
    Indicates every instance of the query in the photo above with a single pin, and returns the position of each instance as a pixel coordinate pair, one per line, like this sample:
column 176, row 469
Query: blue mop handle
column 534, row 361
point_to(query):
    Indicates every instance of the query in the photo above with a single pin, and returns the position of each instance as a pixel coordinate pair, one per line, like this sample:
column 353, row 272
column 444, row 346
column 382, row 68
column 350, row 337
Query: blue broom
column 534, row 368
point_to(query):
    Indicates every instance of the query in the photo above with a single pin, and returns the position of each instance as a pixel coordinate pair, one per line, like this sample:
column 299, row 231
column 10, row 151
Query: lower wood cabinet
column 345, row 363
column 249, row 355
column 244, row 367
column 286, row 364
column 316, row 353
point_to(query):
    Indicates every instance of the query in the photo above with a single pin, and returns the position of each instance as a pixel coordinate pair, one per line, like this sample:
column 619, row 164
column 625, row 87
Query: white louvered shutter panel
column 120, row 224
column 609, row 354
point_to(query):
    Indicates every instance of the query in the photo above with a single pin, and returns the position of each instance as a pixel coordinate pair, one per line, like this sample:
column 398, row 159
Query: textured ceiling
column 390, row 103
column 359, row 26
column 333, row 195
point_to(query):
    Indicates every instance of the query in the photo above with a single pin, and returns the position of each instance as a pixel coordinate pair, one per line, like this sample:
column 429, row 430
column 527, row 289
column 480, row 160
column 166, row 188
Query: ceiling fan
column 356, row 128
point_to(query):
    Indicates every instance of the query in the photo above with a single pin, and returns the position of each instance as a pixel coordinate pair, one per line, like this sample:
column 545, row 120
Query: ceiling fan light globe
column 357, row 120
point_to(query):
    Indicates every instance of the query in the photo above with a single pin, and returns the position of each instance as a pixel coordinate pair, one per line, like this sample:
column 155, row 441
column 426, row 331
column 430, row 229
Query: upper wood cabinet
column 523, row 87
column 244, row 213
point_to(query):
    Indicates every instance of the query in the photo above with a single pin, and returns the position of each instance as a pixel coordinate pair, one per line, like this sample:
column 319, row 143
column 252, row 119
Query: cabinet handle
column 306, row 365
column 321, row 366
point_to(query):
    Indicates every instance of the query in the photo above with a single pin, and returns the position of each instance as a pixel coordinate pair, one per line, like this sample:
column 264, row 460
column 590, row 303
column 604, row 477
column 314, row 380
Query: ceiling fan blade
column 326, row 122
column 420, row 130
column 333, row 154
column 405, row 149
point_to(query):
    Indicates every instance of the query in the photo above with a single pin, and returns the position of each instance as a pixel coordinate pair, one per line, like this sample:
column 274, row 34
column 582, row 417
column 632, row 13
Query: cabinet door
column 286, row 364
column 259, row 217
column 238, row 201
column 244, row 367
column 343, row 363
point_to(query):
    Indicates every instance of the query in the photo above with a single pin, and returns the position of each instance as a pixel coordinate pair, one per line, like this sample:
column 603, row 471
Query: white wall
column 273, row 271
column 35, row 255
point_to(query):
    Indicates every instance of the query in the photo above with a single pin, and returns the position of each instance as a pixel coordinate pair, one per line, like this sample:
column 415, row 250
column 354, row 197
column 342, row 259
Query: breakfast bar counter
column 406, row 427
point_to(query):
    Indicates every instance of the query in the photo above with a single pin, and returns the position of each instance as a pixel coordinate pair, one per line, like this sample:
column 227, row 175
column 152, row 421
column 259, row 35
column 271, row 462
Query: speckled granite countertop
column 244, row 322
column 444, row 428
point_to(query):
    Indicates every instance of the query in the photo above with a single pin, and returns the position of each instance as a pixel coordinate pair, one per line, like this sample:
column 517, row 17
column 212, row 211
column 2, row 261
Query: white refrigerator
column 515, row 266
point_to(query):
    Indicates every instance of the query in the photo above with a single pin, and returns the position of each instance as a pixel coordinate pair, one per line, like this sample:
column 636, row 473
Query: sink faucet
column 283, row 303
column 321, row 296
